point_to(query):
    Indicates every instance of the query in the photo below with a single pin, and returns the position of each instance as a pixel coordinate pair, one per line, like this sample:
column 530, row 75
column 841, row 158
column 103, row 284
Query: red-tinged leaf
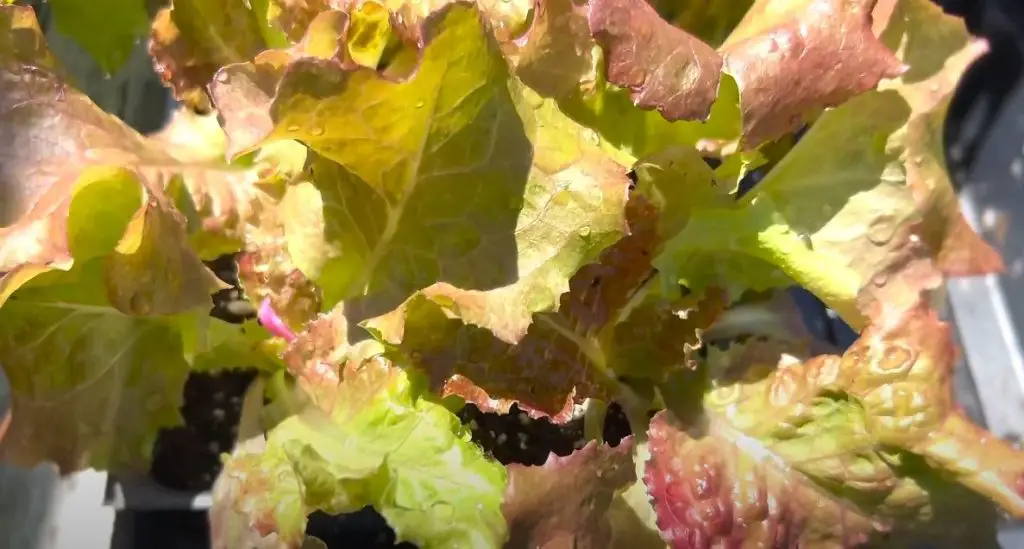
column 719, row 489
column 267, row 273
column 248, row 208
column 465, row 389
column 661, row 336
column 65, row 151
column 861, row 211
column 650, row 57
column 863, row 447
column 191, row 39
column 293, row 17
column 937, row 60
column 571, row 352
column 563, row 504
column 818, row 55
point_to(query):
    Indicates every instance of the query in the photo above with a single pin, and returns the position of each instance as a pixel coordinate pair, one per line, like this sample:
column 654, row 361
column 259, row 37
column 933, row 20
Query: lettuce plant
column 543, row 204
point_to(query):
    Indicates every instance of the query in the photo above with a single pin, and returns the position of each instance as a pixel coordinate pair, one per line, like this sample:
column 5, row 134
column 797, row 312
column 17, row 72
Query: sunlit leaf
column 371, row 438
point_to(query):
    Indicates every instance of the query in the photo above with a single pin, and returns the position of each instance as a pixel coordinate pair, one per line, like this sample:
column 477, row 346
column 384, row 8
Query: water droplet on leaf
column 293, row 128
column 223, row 77
column 139, row 305
column 316, row 131
column 419, row 104
column 881, row 230
column 806, row 240
column 897, row 357
column 583, row 231
column 880, row 279
column 561, row 198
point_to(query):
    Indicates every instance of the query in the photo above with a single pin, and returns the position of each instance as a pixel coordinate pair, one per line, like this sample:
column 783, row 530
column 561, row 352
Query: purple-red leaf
column 563, row 504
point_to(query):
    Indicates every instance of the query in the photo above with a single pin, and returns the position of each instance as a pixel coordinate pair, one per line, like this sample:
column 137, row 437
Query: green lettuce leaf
column 386, row 188
column 712, row 22
column 124, row 23
column 370, row 437
column 576, row 352
column 104, row 304
column 248, row 206
column 861, row 211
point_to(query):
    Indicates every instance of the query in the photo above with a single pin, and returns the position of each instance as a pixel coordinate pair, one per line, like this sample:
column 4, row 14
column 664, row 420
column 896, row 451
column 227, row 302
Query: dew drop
column 419, row 104
column 561, row 198
column 316, row 131
column 806, row 240
column 583, row 231
column 897, row 357
column 223, row 77
column 293, row 128
column 139, row 305
column 443, row 512
column 881, row 230
column 880, row 279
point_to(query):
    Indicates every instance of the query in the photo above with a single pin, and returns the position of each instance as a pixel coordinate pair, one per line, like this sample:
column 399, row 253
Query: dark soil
column 516, row 438
column 188, row 457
